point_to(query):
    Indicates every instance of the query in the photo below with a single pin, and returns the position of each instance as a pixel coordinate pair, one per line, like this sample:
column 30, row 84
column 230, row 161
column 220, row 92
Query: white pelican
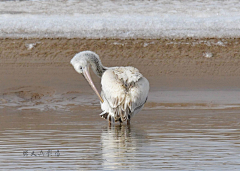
column 124, row 89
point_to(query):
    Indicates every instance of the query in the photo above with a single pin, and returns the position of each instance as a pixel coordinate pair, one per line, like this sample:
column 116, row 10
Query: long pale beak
column 87, row 76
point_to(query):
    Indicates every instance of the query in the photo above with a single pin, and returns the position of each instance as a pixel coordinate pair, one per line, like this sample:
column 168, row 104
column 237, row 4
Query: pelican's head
column 81, row 62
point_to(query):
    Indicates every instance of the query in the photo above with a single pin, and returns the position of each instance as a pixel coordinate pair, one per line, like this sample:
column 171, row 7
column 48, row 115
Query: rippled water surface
column 157, row 139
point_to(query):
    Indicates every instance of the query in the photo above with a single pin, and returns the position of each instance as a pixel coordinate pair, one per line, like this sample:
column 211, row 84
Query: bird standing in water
column 124, row 89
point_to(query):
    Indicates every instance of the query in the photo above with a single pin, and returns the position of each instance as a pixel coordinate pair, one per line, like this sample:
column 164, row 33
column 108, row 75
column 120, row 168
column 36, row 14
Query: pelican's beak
column 87, row 76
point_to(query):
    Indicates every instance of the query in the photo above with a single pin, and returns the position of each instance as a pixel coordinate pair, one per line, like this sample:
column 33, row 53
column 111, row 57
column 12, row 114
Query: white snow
column 120, row 19
column 207, row 54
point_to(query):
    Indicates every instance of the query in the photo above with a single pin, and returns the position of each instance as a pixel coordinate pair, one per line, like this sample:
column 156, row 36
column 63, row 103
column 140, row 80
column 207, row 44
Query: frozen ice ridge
column 120, row 19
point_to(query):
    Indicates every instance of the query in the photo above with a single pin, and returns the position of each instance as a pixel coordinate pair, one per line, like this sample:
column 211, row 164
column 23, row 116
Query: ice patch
column 207, row 54
column 120, row 19
column 31, row 45
column 117, row 43
column 114, row 26
column 146, row 44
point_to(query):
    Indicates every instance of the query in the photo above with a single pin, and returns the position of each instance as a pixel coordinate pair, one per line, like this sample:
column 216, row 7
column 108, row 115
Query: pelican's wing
column 112, row 89
column 137, row 94
column 122, row 97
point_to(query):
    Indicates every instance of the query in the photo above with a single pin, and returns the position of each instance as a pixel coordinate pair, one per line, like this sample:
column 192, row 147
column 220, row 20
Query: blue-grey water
column 156, row 139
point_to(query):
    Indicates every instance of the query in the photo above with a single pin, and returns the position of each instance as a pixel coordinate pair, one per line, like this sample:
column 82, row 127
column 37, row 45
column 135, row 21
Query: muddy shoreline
column 39, row 68
column 164, row 57
column 47, row 107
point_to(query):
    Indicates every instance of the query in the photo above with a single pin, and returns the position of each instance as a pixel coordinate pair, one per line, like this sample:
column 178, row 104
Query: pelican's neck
column 96, row 65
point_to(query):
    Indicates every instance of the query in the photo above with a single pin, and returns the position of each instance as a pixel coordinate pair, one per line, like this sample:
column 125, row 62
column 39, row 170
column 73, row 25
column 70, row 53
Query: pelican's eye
column 80, row 68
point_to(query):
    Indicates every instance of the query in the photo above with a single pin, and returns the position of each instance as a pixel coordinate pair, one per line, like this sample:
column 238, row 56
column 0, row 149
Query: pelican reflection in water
column 121, row 147
column 124, row 89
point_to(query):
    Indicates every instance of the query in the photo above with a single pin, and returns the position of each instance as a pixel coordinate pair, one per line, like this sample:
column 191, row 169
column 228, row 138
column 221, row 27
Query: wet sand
column 45, row 104
column 37, row 71
column 29, row 60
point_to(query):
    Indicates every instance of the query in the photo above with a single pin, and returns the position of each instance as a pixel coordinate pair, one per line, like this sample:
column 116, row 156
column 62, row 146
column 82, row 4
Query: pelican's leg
column 120, row 121
column 128, row 120
column 109, row 120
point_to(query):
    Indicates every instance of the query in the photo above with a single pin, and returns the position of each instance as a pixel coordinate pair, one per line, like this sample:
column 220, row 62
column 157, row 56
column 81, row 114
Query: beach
column 161, row 58
column 192, row 108
column 188, row 50
column 36, row 68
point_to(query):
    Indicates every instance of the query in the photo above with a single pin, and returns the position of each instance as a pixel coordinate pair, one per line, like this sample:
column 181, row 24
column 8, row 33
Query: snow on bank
column 120, row 19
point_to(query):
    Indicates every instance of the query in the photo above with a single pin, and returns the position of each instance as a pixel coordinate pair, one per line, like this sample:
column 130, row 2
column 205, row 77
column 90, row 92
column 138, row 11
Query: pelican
column 124, row 89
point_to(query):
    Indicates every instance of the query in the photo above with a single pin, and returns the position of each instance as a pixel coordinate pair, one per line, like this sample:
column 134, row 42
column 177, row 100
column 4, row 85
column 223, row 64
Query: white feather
column 123, row 88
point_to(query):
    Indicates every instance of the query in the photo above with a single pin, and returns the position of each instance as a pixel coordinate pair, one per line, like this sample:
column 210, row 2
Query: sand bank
column 33, row 69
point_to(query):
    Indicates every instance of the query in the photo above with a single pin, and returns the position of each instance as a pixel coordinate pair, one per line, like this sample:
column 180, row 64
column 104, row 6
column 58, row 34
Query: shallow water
column 157, row 139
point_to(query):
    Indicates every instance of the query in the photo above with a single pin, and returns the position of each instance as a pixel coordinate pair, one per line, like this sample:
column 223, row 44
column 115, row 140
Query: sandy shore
column 36, row 68
column 45, row 105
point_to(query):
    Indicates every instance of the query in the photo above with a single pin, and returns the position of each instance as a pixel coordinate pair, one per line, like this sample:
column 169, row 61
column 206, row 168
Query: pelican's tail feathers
column 104, row 115
column 123, row 114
